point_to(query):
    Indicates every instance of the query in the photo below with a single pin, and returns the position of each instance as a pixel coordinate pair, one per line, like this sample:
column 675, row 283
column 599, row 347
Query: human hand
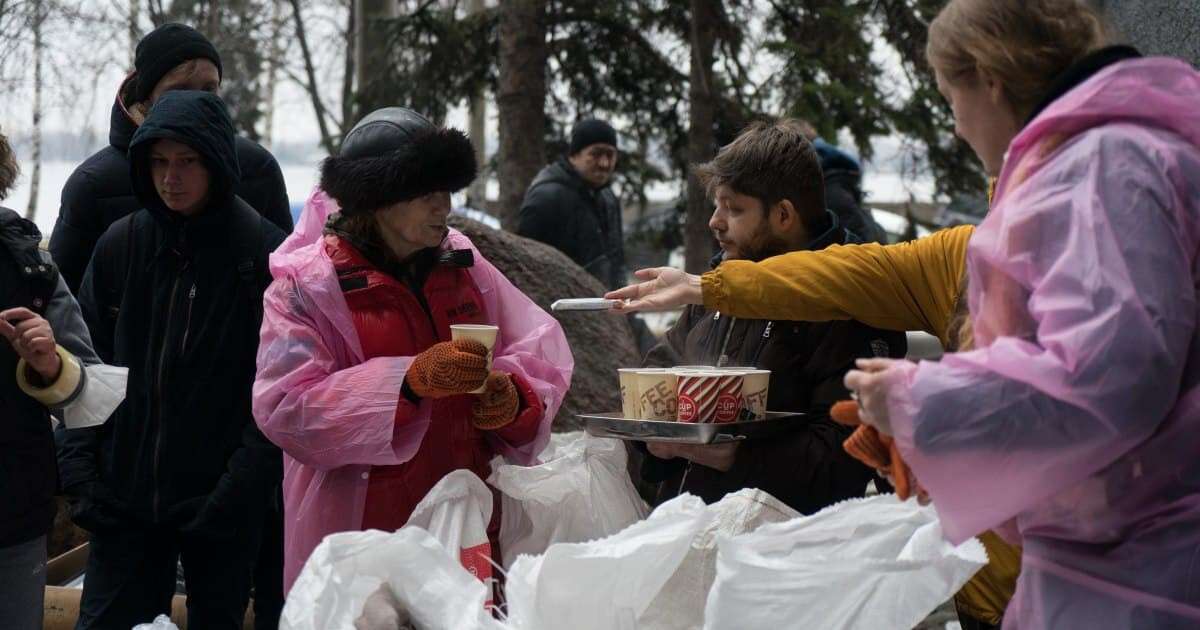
column 497, row 405
column 716, row 456
column 382, row 611
column 870, row 388
column 33, row 340
column 448, row 368
column 661, row 289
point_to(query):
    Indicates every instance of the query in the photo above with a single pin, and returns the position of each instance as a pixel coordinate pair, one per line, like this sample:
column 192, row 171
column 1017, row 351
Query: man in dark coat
column 171, row 57
column 761, row 214
column 570, row 206
column 843, row 191
column 43, row 346
column 174, row 292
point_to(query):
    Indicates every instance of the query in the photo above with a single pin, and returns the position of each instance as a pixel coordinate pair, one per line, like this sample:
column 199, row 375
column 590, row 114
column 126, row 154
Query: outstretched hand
column 661, row 289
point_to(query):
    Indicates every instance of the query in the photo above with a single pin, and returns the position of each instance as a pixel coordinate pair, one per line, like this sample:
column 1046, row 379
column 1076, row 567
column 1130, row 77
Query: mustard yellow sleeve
column 906, row 286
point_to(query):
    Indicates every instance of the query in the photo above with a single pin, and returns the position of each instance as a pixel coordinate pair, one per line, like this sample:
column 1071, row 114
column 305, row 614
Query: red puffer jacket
column 391, row 320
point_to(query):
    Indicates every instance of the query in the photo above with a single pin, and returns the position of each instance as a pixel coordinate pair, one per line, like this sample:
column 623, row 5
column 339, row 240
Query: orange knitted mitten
column 873, row 448
column 497, row 406
column 448, row 368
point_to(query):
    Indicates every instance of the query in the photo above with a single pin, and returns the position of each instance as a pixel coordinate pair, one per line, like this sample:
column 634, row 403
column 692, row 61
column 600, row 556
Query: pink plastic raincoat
column 1075, row 425
column 334, row 414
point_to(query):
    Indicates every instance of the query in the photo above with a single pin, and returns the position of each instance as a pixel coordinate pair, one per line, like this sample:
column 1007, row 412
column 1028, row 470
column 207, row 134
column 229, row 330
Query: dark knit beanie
column 585, row 133
column 166, row 47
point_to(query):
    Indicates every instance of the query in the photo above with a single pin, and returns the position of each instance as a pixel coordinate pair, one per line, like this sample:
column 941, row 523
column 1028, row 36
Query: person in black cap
column 180, row 471
column 171, row 57
column 570, row 206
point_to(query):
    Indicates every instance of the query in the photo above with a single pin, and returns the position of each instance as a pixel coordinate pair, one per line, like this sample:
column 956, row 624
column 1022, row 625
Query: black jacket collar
column 1081, row 71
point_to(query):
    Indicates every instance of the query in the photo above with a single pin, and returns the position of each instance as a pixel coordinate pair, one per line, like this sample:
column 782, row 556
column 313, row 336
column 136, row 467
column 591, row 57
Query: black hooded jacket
column 99, row 192
column 807, row 469
column 560, row 209
column 179, row 302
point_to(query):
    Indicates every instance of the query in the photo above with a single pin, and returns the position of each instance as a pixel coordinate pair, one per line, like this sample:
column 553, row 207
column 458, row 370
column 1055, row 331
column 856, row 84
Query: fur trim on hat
column 434, row 160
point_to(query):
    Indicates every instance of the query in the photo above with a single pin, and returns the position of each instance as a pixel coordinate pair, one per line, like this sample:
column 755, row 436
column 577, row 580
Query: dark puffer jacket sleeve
column 77, row 229
column 263, row 186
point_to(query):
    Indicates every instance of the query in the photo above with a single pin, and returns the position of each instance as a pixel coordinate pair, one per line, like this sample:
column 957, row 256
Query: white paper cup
column 755, row 387
column 656, row 394
column 629, row 393
column 483, row 333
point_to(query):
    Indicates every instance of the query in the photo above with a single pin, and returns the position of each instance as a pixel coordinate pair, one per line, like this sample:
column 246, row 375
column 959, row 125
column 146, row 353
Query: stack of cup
column 709, row 396
column 694, row 393
column 647, row 393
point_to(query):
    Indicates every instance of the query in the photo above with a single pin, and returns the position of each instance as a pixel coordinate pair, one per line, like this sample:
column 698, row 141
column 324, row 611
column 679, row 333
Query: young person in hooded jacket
column 174, row 293
column 1081, row 298
column 43, row 347
column 359, row 381
column 99, row 192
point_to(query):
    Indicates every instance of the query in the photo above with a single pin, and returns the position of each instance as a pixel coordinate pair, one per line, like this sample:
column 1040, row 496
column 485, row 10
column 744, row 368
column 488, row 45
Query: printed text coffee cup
column 755, row 387
column 656, row 394
column 483, row 333
column 708, row 396
column 629, row 393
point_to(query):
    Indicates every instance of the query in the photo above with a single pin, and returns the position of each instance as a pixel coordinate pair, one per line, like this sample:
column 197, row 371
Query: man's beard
column 763, row 245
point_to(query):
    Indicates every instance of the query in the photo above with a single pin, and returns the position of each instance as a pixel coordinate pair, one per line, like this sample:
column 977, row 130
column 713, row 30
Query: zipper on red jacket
column 158, row 385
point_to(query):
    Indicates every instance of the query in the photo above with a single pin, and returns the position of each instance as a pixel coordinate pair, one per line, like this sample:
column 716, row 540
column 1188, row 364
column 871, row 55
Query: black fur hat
column 394, row 155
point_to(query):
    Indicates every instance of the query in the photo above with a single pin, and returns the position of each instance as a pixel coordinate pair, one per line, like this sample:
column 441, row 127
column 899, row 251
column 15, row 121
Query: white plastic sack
column 605, row 584
column 680, row 603
column 345, row 569
column 583, row 493
column 161, row 622
column 447, row 531
column 456, row 512
column 865, row 563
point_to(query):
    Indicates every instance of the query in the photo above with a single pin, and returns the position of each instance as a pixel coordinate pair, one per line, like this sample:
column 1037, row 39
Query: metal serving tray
column 612, row 425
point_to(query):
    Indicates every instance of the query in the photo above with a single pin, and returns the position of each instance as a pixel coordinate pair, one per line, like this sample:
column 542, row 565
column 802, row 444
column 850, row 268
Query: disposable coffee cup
column 707, row 397
column 629, row 393
column 755, row 387
column 695, row 368
column 483, row 333
column 656, row 394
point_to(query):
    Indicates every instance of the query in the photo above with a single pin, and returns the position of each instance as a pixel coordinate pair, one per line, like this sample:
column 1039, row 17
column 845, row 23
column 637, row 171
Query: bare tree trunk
column 310, row 73
column 371, row 51
column 521, row 101
column 477, row 193
column 274, row 59
column 35, row 177
column 135, row 15
column 697, row 240
column 348, row 69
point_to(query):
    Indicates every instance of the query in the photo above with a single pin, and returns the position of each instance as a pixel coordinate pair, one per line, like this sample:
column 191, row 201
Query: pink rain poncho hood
column 333, row 413
column 1075, row 424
